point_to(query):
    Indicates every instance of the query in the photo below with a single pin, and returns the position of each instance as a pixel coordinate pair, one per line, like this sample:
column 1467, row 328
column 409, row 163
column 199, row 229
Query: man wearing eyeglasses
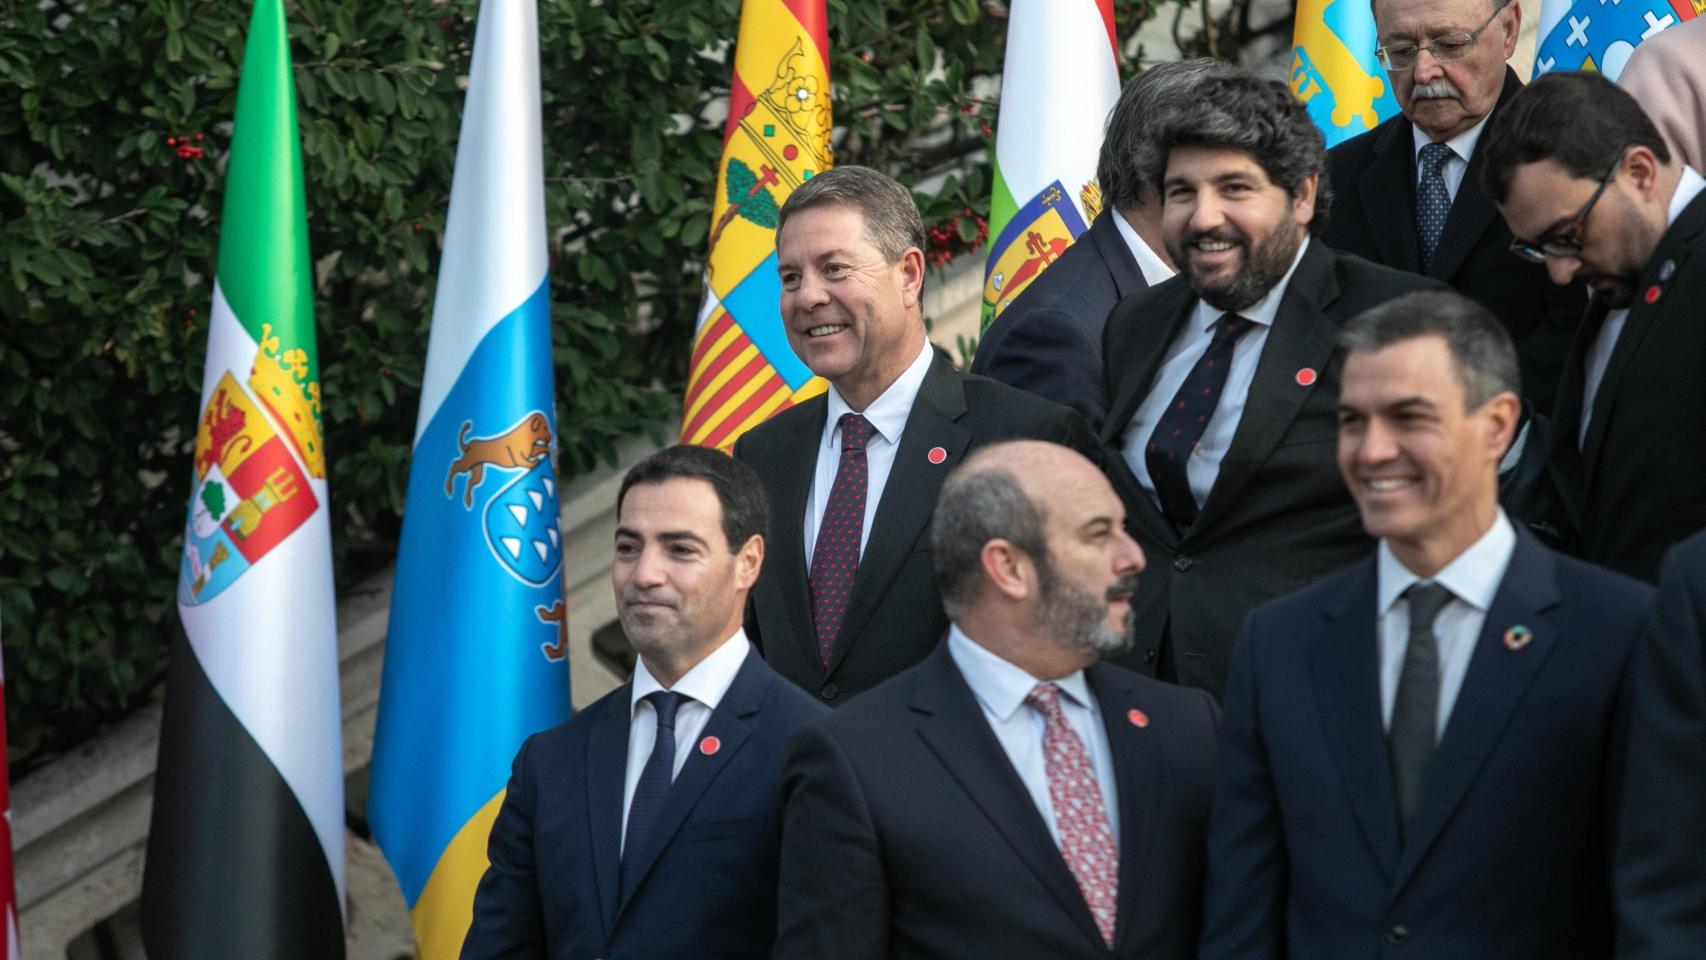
column 1590, row 190
column 1407, row 191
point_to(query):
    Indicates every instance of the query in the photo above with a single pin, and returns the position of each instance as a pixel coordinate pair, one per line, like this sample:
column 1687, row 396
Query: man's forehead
column 1427, row 17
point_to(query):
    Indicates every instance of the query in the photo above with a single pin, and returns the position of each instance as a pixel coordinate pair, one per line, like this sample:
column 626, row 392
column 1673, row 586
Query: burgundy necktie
column 1181, row 425
column 835, row 557
column 1080, row 816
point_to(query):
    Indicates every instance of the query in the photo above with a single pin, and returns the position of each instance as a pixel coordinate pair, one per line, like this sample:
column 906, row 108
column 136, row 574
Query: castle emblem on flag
column 520, row 519
column 251, row 493
column 1334, row 72
column 1036, row 236
column 1601, row 36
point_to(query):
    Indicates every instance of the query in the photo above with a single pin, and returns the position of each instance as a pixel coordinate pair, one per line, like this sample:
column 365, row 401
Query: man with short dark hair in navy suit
column 648, row 825
column 1426, row 750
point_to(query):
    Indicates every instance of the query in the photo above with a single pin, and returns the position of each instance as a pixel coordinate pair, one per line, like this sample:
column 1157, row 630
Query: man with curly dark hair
column 1222, row 381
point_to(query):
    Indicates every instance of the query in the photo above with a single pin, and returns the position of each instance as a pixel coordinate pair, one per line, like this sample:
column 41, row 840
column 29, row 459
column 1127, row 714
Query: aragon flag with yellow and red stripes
column 777, row 137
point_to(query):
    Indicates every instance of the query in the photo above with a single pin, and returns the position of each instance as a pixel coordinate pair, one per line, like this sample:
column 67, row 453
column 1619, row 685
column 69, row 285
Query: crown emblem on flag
column 280, row 380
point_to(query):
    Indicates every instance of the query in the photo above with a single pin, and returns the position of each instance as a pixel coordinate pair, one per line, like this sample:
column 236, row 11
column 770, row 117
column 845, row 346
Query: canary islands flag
column 1334, row 70
column 475, row 660
column 1593, row 35
column 246, row 844
column 1060, row 79
column 776, row 138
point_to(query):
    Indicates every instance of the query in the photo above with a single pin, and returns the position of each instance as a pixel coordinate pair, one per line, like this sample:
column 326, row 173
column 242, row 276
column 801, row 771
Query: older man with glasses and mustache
column 1587, row 182
column 1408, row 193
column 1223, row 380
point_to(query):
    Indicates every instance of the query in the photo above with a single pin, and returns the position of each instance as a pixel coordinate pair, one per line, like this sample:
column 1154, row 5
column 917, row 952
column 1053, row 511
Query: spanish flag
column 776, row 138
column 1334, row 70
column 246, row 845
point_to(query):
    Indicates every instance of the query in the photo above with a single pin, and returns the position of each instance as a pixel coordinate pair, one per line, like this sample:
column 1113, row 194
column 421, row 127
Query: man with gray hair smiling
column 1010, row 796
column 1426, row 750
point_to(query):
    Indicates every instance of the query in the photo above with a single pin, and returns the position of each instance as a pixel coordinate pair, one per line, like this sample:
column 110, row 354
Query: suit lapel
column 1493, row 687
column 728, row 723
column 909, row 497
column 1138, row 765
column 1388, row 192
column 952, row 725
column 1346, row 670
column 606, row 778
column 1472, row 211
column 1122, row 266
column 1151, row 334
column 792, row 473
column 1674, row 248
column 1302, row 337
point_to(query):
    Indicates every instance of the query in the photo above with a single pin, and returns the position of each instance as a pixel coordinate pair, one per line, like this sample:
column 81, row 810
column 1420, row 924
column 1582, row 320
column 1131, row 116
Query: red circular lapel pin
column 1137, row 717
column 1652, row 295
column 938, row 455
column 709, row 746
column 1305, row 377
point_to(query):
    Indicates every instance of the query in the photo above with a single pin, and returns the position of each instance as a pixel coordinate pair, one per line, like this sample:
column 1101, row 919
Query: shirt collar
column 889, row 411
column 1687, row 189
column 1001, row 687
column 1462, row 145
column 1263, row 311
column 1473, row 576
column 706, row 683
column 1149, row 263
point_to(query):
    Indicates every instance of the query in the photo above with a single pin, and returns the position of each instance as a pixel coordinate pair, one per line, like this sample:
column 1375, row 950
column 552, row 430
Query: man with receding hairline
column 1010, row 796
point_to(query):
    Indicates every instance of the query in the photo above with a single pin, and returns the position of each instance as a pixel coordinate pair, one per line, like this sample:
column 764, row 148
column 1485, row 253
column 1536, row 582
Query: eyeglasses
column 1568, row 242
column 1398, row 57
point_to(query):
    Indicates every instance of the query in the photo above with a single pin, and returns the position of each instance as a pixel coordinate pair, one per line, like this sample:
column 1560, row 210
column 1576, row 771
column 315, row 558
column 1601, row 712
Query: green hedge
column 112, row 138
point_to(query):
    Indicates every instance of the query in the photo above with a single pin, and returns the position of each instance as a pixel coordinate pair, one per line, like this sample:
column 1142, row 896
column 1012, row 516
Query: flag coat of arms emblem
column 742, row 370
column 1334, row 71
column 476, row 654
column 1059, row 81
column 246, row 846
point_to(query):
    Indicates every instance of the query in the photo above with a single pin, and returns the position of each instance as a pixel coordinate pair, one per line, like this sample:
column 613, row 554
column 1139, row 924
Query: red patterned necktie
column 835, row 557
column 1086, row 836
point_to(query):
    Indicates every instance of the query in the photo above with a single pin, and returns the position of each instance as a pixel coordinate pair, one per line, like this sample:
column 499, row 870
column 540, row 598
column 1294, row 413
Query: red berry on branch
column 198, row 138
column 171, row 141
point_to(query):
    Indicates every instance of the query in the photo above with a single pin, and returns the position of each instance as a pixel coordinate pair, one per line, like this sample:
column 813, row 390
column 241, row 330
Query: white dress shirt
column 1462, row 148
column 704, row 686
column 1182, row 354
column 888, row 413
column 1154, row 269
column 1001, row 689
column 1473, row 579
column 1599, row 352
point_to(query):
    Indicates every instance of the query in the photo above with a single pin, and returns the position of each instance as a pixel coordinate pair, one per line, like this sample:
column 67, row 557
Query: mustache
column 1221, row 234
column 1123, row 588
column 1441, row 89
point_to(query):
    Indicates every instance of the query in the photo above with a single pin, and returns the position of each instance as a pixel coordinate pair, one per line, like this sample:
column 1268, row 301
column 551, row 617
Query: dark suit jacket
column 1639, row 484
column 709, row 882
column 1661, row 872
column 1508, row 854
column 894, row 616
column 1049, row 340
column 908, row 834
column 1374, row 217
column 1279, row 515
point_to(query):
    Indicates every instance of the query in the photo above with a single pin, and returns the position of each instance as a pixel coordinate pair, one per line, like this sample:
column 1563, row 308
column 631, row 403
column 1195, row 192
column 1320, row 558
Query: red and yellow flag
column 777, row 137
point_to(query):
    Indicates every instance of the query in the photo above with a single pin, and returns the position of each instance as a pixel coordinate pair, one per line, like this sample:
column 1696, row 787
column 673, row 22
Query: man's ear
column 749, row 560
column 911, row 276
column 1303, row 204
column 1008, row 569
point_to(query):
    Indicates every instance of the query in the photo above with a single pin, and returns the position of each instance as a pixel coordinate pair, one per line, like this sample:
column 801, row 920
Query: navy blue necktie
column 653, row 786
column 1433, row 201
column 1415, row 708
column 1180, row 427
